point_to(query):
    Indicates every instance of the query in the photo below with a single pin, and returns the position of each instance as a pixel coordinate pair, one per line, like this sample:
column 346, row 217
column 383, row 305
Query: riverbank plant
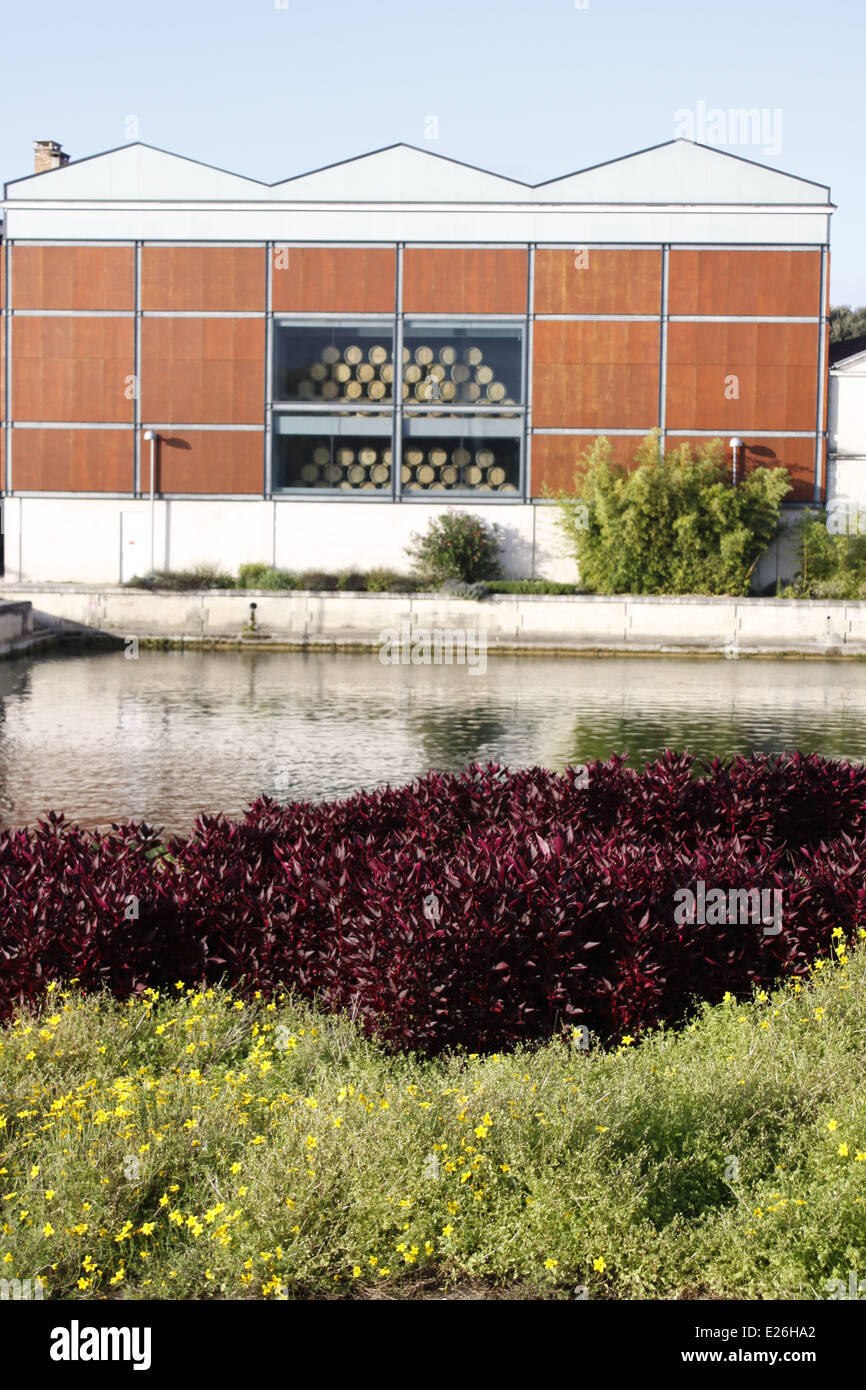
column 194, row 1144
column 831, row 551
column 482, row 910
column 672, row 524
column 456, row 546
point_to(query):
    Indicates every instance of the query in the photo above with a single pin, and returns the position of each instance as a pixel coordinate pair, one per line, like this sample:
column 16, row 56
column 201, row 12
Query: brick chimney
column 47, row 154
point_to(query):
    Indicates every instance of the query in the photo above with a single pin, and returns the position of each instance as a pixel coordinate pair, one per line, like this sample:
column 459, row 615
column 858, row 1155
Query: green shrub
column 673, row 525
column 199, row 577
column 352, row 580
column 831, row 565
column 259, row 576
column 318, row 580
column 457, row 546
column 384, row 581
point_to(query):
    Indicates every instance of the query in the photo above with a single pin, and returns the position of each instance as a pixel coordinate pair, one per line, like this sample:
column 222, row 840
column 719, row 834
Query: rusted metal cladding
column 73, row 369
column 782, row 283
column 797, row 455
column 593, row 280
column 210, row 461
column 742, row 376
column 558, row 459
column 203, row 279
column 602, row 375
column 74, row 460
column 464, row 280
column 334, row 280
column 202, row 371
column 73, row 277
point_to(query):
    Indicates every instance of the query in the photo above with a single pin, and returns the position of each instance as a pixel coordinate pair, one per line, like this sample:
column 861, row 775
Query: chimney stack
column 47, row 154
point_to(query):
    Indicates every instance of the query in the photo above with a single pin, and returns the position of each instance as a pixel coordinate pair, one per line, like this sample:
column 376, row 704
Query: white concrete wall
column 77, row 540
column 736, row 627
column 846, row 423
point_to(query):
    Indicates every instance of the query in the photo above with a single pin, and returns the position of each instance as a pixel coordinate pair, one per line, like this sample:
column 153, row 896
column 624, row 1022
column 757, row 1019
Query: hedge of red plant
column 476, row 910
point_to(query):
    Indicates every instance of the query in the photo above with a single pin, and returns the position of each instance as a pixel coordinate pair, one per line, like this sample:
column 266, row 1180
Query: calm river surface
column 103, row 738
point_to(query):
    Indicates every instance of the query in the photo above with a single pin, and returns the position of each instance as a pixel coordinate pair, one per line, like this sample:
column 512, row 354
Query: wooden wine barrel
column 437, row 371
column 345, row 485
column 318, row 371
column 345, row 456
column 485, row 458
column 472, row 475
column 386, row 371
column 460, row 373
column 436, row 487
column 342, row 371
column 330, row 355
column 447, row 356
column 414, row 487
column 378, row 355
column 469, row 391
column 354, row 389
column 404, row 388
column 407, row 356
column 306, row 390
column 321, row 455
column 367, row 456
column 376, row 390
column 330, row 390
column 366, row 486
column 405, row 474
column 425, row 391
column 386, row 457
column 357, row 473
column 414, row 456
column 449, row 475
column 438, row 457
column 461, row 457
column 426, row 474
column 412, row 373
column 365, row 371
column 353, row 355
column 496, row 476
column 309, row 472
column 423, row 355
column 496, row 391
column 483, row 375
column 507, row 487
column 447, row 391
column 473, row 356
column 380, row 473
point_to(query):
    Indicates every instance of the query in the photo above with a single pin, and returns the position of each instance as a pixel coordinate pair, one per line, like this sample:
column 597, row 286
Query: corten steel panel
column 74, row 460
column 786, row 283
column 557, row 457
column 797, row 455
column 190, row 279
column 335, row 280
column 73, row 369
column 203, row 371
column 209, row 461
column 464, row 280
column 2, row 277
column 595, row 375
column 73, row 277
column 776, row 371
column 597, row 281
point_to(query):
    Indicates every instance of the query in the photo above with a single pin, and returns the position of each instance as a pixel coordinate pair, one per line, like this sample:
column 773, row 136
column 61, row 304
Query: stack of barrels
column 351, row 374
column 366, row 467
column 434, row 469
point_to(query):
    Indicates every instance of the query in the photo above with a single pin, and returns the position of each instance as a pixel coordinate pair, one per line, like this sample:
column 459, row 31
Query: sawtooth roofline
column 430, row 154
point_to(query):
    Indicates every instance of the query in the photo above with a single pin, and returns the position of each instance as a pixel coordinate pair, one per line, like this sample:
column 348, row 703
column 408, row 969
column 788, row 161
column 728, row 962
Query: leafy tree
column 674, row 524
column 846, row 322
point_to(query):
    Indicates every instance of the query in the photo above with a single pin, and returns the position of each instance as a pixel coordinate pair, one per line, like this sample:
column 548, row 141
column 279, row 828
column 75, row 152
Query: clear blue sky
column 531, row 90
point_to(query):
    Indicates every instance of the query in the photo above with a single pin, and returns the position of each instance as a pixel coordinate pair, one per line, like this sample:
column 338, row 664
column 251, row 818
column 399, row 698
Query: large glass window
column 465, row 455
column 452, row 407
column 337, row 453
column 469, row 363
column 333, row 362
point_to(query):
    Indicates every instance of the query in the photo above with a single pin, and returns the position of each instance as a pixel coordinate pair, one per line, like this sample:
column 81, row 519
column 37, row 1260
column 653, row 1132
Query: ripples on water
column 175, row 733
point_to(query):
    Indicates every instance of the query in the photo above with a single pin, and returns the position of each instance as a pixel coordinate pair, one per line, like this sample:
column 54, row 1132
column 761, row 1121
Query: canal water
column 169, row 735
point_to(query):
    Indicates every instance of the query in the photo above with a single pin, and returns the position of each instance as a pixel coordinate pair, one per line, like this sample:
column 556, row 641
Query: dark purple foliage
column 476, row 910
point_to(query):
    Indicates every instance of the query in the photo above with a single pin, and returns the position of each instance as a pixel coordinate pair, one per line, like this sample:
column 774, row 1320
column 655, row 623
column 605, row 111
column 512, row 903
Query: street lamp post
column 151, row 436
column 736, row 444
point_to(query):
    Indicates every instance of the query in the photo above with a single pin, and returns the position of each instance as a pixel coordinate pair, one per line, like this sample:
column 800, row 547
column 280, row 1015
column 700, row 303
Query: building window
column 470, row 363
column 334, row 453
column 329, row 363
column 448, row 417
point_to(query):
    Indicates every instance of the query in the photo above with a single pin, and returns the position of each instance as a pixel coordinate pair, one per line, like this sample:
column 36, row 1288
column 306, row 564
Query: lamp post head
column 149, row 435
